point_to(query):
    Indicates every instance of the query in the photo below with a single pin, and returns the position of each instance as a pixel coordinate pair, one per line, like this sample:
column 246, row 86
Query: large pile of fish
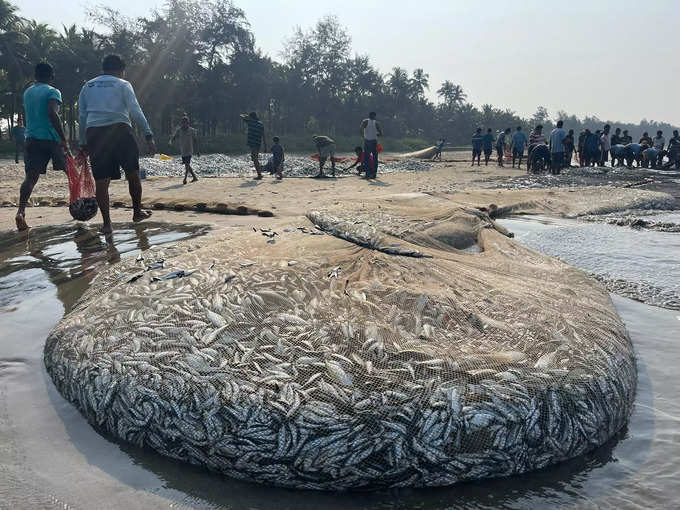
column 215, row 165
column 347, row 367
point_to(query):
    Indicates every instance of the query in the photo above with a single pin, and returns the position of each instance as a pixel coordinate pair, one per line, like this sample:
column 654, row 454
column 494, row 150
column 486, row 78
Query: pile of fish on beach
column 215, row 165
column 348, row 367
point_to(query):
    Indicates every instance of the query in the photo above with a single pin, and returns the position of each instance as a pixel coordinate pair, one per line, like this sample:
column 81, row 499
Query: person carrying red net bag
column 82, row 201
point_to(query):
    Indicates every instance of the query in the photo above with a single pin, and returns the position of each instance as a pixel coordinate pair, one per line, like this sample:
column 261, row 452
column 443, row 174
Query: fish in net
column 82, row 202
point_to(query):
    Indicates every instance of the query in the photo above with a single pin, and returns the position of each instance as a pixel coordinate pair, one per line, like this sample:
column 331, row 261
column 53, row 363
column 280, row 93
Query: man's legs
column 18, row 149
column 333, row 164
column 102, row 193
column 519, row 163
column 25, row 191
column 374, row 152
column 322, row 162
column 255, row 156
column 500, row 157
column 191, row 171
column 186, row 173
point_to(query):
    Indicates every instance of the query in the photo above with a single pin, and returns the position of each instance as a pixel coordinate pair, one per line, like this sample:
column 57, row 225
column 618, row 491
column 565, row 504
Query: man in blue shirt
column 591, row 148
column 18, row 133
column 477, row 142
column 519, row 141
column 45, row 139
column 557, row 137
column 487, row 145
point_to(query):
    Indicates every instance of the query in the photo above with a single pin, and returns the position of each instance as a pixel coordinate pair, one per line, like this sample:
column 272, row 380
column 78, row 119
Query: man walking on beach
column 187, row 141
column 487, row 144
column 605, row 145
column 519, row 141
column 370, row 131
column 557, row 137
column 477, row 141
column 107, row 105
column 255, row 140
column 18, row 134
column 45, row 139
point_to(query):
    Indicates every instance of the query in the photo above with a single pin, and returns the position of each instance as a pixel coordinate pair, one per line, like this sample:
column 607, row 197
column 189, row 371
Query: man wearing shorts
column 477, row 141
column 187, row 140
column 106, row 105
column 255, row 139
column 500, row 144
column 45, row 139
column 487, row 144
column 519, row 141
column 326, row 147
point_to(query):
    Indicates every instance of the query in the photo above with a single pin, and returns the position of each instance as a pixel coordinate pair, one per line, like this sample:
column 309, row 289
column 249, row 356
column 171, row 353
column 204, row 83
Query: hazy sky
column 616, row 59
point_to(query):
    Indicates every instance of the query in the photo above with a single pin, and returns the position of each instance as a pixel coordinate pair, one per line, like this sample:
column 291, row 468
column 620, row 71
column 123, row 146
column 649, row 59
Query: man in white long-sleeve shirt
column 107, row 104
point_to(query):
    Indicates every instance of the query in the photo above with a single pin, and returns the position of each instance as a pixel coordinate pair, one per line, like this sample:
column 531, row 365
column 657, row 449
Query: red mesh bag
column 82, row 201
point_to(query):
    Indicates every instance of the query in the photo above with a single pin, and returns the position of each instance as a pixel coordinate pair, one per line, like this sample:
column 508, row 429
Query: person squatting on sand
column 359, row 162
column 519, row 141
column 370, row 130
column 106, row 105
column 45, row 139
column 188, row 144
column 439, row 147
column 275, row 163
column 325, row 146
column 255, row 140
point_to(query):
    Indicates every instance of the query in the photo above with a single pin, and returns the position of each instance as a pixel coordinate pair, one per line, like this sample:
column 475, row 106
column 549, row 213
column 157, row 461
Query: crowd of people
column 557, row 151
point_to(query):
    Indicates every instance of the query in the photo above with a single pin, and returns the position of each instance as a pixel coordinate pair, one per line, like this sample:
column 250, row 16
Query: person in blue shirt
column 275, row 163
column 438, row 153
column 45, row 139
column 487, row 145
column 18, row 134
column 519, row 141
column 477, row 143
column 557, row 137
column 500, row 145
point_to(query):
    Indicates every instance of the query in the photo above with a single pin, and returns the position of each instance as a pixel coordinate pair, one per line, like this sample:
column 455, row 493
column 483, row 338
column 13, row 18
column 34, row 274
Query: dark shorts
column 112, row 147
column 488, row 151
column 476, row 152
column 517, row 152
column 186, row 160
column 37, row 153
column 254, row 152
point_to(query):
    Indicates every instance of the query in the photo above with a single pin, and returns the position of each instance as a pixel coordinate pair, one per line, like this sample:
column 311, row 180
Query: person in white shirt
column 188, row 141
column 107, row 105
column 605, row 145
column 370, row 131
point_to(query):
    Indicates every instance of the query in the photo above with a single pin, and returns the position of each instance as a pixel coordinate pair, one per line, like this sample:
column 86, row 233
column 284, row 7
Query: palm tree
column 452, row 94
column 12, row 48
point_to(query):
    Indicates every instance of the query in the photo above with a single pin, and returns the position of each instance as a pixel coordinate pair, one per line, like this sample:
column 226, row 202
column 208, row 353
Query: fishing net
column 302, row 358
column 82, row 201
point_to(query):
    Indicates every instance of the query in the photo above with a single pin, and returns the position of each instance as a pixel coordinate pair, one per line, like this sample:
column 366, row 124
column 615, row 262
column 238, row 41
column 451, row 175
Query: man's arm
column 55, row 120
column 197, row 150
column 362, row 127
column 82, row 118
column 138, row 115
column 378, row 128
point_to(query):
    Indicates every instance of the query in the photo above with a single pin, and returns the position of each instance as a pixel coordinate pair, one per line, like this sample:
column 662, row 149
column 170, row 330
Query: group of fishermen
column 556, row 151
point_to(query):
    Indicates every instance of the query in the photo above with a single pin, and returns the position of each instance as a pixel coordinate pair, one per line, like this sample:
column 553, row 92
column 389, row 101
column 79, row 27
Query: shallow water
column 644, row 258
column 51, row 457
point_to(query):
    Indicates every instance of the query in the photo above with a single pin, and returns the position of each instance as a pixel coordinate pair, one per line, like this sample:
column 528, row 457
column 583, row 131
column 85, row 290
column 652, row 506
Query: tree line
column 200, row 57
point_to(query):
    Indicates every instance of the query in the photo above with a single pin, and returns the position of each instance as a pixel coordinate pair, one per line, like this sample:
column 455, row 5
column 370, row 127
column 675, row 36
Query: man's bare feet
column 21, row 222
column 107, row 229
column 194, row 179
column 258, row 177
column 141, row 215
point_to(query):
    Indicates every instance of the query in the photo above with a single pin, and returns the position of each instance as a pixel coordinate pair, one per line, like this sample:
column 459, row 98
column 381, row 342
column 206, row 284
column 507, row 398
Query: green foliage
column 200, row 57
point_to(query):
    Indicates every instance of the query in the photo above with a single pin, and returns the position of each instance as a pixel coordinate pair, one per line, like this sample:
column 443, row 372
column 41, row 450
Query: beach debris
column 159, row 264
column 335, row 272
column 175, row 274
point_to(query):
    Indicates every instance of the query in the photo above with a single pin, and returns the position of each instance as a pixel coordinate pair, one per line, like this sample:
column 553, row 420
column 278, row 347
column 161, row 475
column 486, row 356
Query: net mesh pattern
column 389, row 371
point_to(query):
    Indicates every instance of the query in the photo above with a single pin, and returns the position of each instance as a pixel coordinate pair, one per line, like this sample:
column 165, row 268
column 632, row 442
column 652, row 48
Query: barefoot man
column 255, row 139
column 188, row 144
column 107, row 103
column 45, row 138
